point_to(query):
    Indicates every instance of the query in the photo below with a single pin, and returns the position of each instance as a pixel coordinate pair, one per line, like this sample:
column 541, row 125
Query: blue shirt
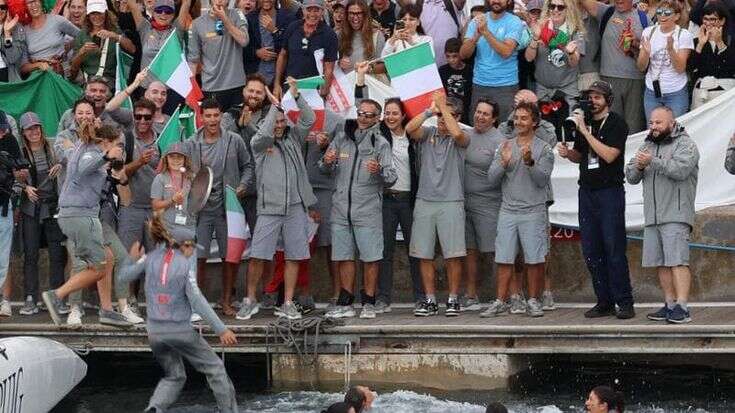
column 301, row 62
column 491, row 69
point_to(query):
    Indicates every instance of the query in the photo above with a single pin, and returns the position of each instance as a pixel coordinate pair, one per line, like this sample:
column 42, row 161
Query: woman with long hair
column 664, row 51
column 172, row 296
column 556, row 48
column 38, row 206
column 95, row 46
column 398, row 201
column 407, row 32
column 603, row 399
column 45, row 39
column 359, row 41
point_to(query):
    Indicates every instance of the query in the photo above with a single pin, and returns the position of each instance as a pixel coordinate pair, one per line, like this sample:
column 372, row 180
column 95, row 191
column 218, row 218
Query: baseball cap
column 96, row 6
column 534, row 5
column 181, row 233
column 164, row 3
column 175, row 148
column 29, row 119
column 601, row 87
column 313, row 3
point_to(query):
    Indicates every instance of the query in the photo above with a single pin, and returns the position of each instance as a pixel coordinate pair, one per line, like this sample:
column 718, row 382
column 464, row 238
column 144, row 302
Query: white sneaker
column 368, row 311
column 5, row 309
column 131, row 317
column 195, row 318
column 341, row 311
column 74, row 319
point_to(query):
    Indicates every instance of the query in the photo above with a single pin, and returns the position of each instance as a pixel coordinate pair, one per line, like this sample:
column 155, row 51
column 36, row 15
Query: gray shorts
column 212, row 223
column 86, row 243
column 432, row 219
column 347, row 240
column 292, row 229
column 666, row 245
column 481, row 223
column 132, row 227
column 529, row 231
column 324, row 208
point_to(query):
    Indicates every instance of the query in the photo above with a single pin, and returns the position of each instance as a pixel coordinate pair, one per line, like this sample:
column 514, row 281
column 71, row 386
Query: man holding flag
column 225, row 154
column 284, row 197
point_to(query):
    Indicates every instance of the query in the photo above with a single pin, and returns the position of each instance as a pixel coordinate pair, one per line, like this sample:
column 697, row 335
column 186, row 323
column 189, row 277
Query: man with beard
column 97, row 90
column 599, row 150
column 522, row 168
column 667, row 163
column 439, row 210
column 225, row 153
column 156, row 92
column 361, row 160
column 494, row 35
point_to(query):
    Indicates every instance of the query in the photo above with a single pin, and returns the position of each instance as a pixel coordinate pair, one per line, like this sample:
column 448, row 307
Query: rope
column 295, row 334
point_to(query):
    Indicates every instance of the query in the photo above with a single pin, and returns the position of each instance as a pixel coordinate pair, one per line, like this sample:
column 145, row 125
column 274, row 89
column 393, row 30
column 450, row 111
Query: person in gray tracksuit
column 361, row 159
column 547, row 133
column 225, row 153
column 668, row 164
column 730, row 156
column 522, row 167
column 284, row 199
column 172, row 295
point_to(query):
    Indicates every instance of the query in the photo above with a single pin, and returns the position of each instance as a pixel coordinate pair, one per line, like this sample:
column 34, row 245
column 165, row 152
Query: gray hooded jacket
column 85, row 178
column 274, row 158
column 670, row 180
column 358, row 197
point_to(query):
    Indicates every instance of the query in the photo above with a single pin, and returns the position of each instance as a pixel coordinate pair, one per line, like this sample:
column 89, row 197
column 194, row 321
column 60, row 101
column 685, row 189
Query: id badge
column 593, row 161
column 180, row 219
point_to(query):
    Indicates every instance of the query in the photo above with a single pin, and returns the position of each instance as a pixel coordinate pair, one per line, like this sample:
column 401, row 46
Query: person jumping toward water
column 172, row 296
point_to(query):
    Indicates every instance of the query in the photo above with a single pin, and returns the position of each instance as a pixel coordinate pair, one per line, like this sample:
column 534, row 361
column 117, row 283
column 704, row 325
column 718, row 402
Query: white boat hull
column 36, row 373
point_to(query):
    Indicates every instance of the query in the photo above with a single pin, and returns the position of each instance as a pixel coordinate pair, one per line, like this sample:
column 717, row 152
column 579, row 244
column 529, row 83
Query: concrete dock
column 398, row 347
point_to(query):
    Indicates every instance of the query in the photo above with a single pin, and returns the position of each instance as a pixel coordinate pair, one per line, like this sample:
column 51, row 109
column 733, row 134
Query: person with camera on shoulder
column 599, row 149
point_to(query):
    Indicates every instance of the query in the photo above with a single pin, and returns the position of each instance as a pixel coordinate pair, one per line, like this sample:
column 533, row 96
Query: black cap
column 600, row 86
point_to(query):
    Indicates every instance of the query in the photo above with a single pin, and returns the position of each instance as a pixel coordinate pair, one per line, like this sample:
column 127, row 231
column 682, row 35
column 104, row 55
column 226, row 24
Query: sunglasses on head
column 140, row 116
column 559, row 7
column 163, row 10
column 664, row 12
column 364, row 114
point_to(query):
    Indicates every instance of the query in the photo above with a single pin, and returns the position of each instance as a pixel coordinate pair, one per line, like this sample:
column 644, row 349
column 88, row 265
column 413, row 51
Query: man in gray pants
column 667, row 163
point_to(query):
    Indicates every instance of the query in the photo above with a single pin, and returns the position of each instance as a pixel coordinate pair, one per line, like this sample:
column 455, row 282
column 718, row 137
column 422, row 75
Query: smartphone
column 657, row 88
column 97, row 40
column 400, row 25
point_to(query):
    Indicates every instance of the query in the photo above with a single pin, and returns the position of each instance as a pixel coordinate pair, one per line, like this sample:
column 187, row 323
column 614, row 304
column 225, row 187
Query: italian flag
column 171, row 133
column 414, row 76
column 238, row 232
column 170, row 67
column 309, row 89
column 124, row 61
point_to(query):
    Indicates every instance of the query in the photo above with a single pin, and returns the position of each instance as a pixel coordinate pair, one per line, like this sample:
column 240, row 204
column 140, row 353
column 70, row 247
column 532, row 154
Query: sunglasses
column 140, row 116
column 364, row 114
column 559, row 7
column 439, row 115
column 3, row 7
column 163, row 10
column 664, row 12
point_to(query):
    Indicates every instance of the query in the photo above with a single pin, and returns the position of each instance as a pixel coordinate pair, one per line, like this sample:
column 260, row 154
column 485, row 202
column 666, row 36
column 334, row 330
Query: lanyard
column 166, row 263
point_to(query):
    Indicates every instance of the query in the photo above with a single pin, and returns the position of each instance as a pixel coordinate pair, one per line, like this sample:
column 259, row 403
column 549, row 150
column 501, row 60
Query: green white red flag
column 309, row 90
column 238, row 232
column 414, row 76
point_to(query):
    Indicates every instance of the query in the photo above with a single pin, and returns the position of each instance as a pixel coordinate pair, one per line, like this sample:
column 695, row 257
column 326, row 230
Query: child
column 456, row 76
column 171, row 295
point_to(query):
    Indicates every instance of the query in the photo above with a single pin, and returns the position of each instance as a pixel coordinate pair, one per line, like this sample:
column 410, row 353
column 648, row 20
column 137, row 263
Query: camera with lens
column 583, row 107
column 9, row 164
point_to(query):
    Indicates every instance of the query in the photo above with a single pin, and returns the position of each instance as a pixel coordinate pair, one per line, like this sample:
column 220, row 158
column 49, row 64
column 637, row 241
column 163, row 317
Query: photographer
column 9, row 155
column 599, row 150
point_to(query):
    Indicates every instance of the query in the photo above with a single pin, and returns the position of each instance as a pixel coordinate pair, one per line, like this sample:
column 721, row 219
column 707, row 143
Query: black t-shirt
column 386, row 18
column 458, row 84
column 594, row 172
column 300, row 49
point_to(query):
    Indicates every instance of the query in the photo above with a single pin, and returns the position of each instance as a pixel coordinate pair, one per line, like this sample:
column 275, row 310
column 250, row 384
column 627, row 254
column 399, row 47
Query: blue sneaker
column 662, row 314
column 679, row 316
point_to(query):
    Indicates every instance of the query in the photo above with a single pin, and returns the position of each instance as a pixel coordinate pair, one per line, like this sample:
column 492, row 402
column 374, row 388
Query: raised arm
column 461, row 138
column 137, row 14
column 124, row 94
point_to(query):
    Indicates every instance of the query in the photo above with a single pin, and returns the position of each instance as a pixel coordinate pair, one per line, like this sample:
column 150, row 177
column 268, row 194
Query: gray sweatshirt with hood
column 670, row 180
column 82, row 191
column 280, row 161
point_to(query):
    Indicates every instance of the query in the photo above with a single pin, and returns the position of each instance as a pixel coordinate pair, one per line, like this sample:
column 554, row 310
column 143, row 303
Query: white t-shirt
column 401, row 163
column 660, row 65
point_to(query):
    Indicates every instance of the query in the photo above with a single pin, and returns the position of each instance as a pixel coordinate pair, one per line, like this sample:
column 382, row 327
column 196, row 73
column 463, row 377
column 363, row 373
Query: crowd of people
column 476, row 178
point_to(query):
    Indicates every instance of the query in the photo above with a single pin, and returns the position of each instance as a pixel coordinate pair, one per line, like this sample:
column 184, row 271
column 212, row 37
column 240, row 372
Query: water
column 124, row 382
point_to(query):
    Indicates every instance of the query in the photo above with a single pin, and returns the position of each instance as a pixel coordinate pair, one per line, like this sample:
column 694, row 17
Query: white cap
column 99, row 6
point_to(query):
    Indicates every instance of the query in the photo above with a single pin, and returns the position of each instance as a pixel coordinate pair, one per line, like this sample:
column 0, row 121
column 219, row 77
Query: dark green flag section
column 46, row 93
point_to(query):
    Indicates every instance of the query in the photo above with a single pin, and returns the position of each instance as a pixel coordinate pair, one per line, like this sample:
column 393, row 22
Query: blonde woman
column 556, row 48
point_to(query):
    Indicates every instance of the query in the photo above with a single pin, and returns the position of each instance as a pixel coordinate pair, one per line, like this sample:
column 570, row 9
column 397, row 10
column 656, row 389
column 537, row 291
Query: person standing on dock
column 668, row 164
column 522, row 168
column 599, row 150
column 439, row 210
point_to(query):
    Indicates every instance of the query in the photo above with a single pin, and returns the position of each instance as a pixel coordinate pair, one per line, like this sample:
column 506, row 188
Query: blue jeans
column 602, row 228
column 678, row 102
column 6, row 241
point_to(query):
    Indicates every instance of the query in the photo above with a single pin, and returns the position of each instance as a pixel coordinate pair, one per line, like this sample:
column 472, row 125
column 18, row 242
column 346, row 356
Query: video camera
column 8, row 163
column 583, row 107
